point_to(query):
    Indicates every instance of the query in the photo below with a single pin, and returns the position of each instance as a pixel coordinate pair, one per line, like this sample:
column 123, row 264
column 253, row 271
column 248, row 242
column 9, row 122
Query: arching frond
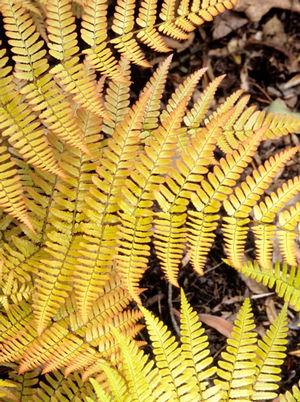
column 270, row 356
column 286, row 280
column 237, row 366
column 286, row 232
column 240, row 204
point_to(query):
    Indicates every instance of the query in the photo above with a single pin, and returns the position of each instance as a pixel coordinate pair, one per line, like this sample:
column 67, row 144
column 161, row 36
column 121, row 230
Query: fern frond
column 27, row 136
column 157, row 82
column 102, row 202
column 116, row 382
column 100, row 393
column 55, row 111
column 196, row 115
column 61, row 30
column 291, row 396
column 265, row 212
column 26, row 45
column 123, row 23
column 141, row 377
column 75, row 77
column 11, row 191
column 168, row 356
column 136, row 220
column 286, row 232
column 209, row 197
column 240, row 204
column 57, row 387
column 117, row 99
column 270, row 356
column 194, row 347
column 237, row 367
column 285, row 279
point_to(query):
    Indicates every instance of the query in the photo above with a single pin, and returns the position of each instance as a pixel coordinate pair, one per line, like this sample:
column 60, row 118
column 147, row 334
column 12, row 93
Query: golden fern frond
column 194, row 347
column 265, row 212
column 271, row 352
column 141, row 377
column 26, row 135
column 123, row 24
column 237, row 366
column 253, row 120
column 196, row 115
column 157, row 82
column 211, row 194
column 292, row 395
column 175, row 22
column 168, row 356
column 285, row 279
column 117, row 384
column 137, row 217
column 58, row 265
column 11, row 190
column 117, row 99
column 5, row 390
column 26, row 45
column 174, row 195
column 100, row 393
column 69, row 342
column 286, row 233
column 149, row 34
column 54, row 110
column 247, row 370
column 57, row 387
column 102, row 203
column 240, row 204
column 75, row 77
column 94, row 33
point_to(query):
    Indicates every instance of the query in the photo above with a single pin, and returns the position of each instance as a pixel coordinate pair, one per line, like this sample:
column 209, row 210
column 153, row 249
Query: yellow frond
column 240, row 204
column 61, row 29
column 55, row 111
column 286, row 280
column 157, row 83
column 286, row 232
column 292, row 395
column 237, row 366
column 194, row 347
column 11, row 191
column 265, row 212
column 27, row 135
column 117, row 99
column 168, row 357
column 271, row 351
column 26, row 45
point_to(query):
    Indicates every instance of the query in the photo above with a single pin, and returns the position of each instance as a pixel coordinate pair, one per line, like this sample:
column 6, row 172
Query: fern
column 92, row 182
column 247, row 370
column 285, row 279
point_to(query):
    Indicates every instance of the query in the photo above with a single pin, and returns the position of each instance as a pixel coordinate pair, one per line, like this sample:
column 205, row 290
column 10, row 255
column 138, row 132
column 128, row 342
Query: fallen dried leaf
column 256, row 9
column 218, row 323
